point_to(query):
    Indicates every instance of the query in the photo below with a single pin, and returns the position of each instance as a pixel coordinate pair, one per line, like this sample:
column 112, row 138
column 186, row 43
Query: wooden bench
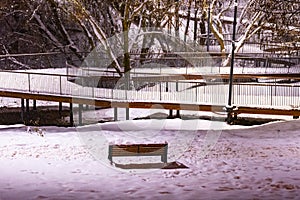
column 139, row 150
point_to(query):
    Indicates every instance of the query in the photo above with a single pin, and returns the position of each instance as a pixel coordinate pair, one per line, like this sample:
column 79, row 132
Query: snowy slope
column 261, row 162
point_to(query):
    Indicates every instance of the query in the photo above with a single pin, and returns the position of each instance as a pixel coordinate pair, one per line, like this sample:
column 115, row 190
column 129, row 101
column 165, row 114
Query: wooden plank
column 282, row 49
column 268, row 111
column 125, row 149
column 55, row 98
column 147, row 105
column 170, row 78
column 138, row 150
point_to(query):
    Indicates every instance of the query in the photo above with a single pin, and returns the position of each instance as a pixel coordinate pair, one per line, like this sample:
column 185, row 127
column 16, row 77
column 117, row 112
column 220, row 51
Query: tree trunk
column 177, row 19
column 126, row 61
column 202, row 30
column 196, row 26
column 186, row 32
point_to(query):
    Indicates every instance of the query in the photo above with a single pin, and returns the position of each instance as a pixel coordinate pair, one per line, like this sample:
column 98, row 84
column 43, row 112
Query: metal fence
column 271, row 94
column 193, row 92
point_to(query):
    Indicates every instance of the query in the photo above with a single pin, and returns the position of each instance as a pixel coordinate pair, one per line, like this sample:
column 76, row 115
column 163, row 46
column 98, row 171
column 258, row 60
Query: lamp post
column 229, row 106
column 208, row 27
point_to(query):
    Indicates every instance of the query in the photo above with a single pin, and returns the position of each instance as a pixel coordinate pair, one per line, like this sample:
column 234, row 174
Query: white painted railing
column 244, row 94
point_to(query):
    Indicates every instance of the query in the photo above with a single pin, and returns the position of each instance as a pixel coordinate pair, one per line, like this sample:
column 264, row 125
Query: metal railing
column 272, row 94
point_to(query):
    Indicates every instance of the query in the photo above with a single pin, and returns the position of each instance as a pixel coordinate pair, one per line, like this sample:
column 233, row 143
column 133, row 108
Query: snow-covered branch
column 138, row 9
column 14, row 60
column 102, row 38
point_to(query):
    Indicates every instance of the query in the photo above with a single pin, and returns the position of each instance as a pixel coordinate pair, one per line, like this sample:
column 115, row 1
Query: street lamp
column 229, row 106
column 208, row 27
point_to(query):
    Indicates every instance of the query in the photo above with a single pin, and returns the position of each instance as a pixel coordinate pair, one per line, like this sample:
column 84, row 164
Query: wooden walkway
column 251, row 98
column 147, row 105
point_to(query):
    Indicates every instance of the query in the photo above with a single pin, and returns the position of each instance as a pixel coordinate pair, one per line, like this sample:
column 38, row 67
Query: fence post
column 178, row 111
column 271, row 95
column 29, row 82
column 60, row 85
column 67, row 70
column 160, row 98
column 196, row 92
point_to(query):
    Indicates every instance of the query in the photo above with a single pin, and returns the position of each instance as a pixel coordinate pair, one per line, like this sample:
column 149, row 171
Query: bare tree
column 39, row 26
column 254, row 16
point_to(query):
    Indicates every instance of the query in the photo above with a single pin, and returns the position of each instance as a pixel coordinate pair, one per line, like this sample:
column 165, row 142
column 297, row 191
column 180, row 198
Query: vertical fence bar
column 29, row 82
column 160, row 95
column 196, row 92
column 177, row 89
column 60, row 85
column 271, row 95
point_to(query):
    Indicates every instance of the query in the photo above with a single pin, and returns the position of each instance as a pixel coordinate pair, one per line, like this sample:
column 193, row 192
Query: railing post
column 29, row 82
column 177, row 89
column 67, row 71
column 160, row 98
column 271, row 95
column 60, row 85
column 233, row 102
column 196, row 92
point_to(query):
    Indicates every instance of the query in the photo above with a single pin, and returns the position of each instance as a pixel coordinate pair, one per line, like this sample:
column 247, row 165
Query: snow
column 259, row 162
column 224, row 162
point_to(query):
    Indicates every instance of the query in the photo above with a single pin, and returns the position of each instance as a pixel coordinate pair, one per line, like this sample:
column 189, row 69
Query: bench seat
column 139, row 150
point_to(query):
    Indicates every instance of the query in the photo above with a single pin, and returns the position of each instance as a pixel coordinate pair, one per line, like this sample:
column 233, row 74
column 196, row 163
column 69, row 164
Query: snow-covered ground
column 224, row 162
column 259, row 162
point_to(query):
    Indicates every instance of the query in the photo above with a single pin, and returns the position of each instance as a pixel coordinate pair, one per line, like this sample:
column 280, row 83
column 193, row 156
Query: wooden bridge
column 275, row 94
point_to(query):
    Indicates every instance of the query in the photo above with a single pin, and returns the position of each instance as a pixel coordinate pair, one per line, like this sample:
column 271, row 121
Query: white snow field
column 258, row 162
column 224, row 162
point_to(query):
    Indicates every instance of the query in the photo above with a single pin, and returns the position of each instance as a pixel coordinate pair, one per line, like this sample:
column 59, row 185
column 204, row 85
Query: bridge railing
column 273, row 94
column 267, row 94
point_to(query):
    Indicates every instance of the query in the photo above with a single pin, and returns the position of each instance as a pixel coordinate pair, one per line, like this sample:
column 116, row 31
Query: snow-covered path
column 252, row 163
